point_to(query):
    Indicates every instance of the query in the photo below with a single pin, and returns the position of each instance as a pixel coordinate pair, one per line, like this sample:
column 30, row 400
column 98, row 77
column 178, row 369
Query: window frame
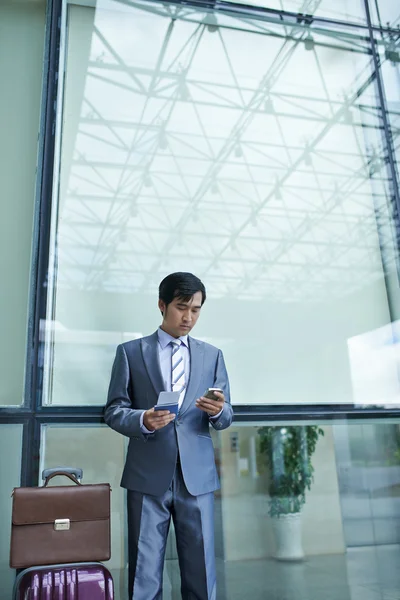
column 32, row 414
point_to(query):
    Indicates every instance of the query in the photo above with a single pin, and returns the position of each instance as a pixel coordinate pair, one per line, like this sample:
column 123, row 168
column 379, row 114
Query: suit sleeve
column 221, row 380
column 118, row 412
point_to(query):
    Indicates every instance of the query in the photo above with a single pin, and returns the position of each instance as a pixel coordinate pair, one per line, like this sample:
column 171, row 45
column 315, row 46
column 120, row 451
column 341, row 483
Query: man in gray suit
column 170, row 467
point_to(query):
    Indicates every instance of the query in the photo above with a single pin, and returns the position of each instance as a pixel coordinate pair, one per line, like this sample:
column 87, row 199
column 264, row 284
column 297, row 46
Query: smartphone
column 210, row 393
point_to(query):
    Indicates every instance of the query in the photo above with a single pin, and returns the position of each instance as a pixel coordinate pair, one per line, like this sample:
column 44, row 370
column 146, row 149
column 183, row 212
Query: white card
column 168, row 398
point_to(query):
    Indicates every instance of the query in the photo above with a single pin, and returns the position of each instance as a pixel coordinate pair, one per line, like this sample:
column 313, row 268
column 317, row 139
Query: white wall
column 10, row 470
column 21, row 63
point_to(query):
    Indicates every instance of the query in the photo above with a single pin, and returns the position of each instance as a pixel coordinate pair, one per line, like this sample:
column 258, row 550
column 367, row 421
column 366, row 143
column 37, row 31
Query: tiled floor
column 371, row 573
column 367, row 573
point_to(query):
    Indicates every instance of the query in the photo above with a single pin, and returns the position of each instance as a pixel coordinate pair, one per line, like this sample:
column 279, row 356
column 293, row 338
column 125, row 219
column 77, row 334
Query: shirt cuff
column 143, row 427
column 215, row 417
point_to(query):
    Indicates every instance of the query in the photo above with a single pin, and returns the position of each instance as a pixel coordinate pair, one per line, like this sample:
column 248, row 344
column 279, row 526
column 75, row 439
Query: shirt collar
column 164, row 338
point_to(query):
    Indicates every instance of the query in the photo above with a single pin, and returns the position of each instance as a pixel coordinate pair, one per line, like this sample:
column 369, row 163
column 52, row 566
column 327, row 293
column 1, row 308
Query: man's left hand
column 212, row 407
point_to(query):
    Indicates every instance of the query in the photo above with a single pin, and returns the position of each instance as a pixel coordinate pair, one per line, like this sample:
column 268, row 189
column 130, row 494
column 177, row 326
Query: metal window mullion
column 279, row 16
column 40, row 245
column 43, row 202
column 30, row 452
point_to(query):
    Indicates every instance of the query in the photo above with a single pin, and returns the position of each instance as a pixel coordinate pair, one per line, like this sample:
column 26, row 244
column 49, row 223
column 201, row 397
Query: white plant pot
column 287, row 530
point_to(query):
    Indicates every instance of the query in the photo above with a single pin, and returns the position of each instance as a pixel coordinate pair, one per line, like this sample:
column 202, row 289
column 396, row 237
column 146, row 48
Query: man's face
column 179, row 317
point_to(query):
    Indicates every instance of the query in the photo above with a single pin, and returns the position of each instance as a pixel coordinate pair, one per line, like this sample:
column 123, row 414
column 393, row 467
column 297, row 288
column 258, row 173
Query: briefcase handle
column 73, row 474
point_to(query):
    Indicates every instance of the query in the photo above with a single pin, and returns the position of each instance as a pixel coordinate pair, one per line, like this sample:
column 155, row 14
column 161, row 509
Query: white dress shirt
column 165, row 358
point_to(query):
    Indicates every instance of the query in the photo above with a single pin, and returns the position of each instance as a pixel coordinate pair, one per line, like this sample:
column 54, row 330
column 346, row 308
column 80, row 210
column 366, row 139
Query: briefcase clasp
column 62, row 524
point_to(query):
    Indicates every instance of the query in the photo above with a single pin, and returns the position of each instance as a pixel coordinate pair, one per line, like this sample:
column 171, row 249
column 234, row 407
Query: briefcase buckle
column 62, row 524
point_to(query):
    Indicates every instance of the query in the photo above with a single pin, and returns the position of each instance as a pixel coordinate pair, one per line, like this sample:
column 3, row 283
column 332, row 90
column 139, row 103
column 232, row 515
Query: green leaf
column 288, row 451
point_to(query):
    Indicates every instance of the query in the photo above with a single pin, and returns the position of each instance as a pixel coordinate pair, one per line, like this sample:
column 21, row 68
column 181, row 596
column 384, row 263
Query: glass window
column 10, row 469
column 247, row 153
column 304, row 511
column 384, row 12
column 100, row 452
column 389, row 53
column 342, row 10
column 339, row 540
column 21, row 66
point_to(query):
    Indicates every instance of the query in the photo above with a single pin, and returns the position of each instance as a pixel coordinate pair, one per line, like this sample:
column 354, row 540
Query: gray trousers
column 148, row 524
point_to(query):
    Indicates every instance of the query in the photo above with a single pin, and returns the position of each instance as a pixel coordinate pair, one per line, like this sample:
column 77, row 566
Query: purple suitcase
column 80, row 581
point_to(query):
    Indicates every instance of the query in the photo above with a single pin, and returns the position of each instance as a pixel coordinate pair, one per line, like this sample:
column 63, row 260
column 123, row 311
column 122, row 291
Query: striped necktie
column 178, row 368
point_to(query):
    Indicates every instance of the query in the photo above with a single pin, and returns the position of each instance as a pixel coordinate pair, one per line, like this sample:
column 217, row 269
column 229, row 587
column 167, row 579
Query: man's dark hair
column 182, row 286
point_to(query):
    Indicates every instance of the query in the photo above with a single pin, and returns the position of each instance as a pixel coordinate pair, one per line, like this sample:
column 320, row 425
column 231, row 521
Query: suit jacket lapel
column 196, row 370
column 152, row 362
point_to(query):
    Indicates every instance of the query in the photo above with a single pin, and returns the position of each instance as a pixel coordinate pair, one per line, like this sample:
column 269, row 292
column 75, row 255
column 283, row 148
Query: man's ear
column 161, row 306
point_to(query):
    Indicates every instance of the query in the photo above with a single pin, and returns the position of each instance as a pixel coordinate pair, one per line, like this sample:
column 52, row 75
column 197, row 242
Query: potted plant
column 288, row 452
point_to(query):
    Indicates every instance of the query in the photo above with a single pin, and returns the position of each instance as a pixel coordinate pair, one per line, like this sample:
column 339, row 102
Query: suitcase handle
column 73, row 474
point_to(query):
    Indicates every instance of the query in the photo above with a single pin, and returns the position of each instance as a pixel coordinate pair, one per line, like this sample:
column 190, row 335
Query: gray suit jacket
column 136, row 381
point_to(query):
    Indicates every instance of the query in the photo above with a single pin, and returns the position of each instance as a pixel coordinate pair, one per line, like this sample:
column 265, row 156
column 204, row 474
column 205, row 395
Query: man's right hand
column 157, row 419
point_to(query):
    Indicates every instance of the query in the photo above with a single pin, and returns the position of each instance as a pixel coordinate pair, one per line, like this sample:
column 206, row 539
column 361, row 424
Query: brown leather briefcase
column 62, row 524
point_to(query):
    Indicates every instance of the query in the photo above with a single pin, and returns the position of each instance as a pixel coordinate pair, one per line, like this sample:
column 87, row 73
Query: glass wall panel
column 246, row 152
column 342, row 542
column 390, row 59
column 21, row 66
column 100, row 452
column 338, row 541
column 382, row 180
column 384, row 12
column 10, row 469
column 343, row 10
